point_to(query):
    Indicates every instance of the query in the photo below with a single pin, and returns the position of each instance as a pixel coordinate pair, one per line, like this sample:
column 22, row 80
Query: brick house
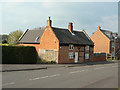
column 60, row 45
column 106, row 41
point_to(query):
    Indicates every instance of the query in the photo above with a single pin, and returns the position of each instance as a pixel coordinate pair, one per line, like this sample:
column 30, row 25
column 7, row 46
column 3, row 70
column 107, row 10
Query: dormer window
column 87, row 48
column 71, row 47
column 37, row 38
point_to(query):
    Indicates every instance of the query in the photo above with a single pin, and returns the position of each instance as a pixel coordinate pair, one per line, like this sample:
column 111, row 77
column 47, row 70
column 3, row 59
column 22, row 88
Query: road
column 92, row 76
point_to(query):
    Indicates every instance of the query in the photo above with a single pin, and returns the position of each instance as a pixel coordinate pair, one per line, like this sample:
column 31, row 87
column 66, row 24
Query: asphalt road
column 95, row 76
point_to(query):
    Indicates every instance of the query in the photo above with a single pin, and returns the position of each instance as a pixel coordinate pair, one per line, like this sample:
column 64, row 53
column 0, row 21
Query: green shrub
column 112, row 58
column 43, row 61
column 19, row 55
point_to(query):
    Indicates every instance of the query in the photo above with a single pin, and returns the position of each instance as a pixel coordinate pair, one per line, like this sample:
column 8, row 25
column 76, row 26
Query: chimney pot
column 70, row 26
column 98, row 27
column 49, row 22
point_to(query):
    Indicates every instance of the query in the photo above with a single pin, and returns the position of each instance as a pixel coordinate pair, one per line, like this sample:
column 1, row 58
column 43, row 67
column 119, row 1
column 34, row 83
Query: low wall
column 99, row 57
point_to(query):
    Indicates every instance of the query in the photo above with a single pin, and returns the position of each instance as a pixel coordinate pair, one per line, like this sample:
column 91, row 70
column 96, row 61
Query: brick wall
column 101, row 58
column 64, row 57
column 48, row 40
column 101, row 42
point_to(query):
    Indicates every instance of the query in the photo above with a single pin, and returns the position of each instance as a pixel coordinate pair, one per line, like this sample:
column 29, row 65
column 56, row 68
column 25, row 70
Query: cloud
column 109, row 22
column 32, row 15
column 47, row 4
column 59, row 0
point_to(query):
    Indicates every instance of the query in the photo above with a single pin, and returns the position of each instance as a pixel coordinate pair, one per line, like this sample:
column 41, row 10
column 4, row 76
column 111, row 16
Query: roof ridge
column 23, row 34
column 66, row 29
column 106, row 30
column 59, row 28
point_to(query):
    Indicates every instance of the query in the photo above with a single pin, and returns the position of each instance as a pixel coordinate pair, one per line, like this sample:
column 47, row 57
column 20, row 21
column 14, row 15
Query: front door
column 76, row 57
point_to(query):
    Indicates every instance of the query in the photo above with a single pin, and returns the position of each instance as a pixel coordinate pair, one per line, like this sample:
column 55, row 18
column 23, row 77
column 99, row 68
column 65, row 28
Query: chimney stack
column 70, row 26
column 98, row 28
column 49, row 22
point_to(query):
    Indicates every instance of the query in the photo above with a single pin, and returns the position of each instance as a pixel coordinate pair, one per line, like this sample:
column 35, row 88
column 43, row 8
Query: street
column 91, row 76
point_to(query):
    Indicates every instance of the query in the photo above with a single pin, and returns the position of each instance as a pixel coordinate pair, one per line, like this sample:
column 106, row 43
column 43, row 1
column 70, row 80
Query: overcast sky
column 87, row 15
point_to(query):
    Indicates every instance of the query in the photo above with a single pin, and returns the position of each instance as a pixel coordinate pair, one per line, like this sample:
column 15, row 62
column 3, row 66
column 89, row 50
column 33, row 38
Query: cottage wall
column 49, row 44
column 64, row 57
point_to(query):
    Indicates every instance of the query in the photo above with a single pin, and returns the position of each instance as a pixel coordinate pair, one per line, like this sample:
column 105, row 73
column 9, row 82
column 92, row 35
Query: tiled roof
column 31, row 36
column 66, row 37
column 110, row 34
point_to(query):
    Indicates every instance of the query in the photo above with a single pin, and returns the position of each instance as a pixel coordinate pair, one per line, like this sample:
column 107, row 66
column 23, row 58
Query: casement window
column 113, row 44
column 87, row 56
column 87, row 48
column 70, row 55
column 71, row 47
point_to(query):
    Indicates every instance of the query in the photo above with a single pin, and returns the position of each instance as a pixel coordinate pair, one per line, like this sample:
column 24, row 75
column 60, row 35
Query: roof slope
column 32, row 36
column 109, row 34
column 66, row 37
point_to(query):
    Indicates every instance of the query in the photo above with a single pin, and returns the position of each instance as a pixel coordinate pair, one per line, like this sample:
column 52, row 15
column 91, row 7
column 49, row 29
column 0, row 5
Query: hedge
column 19, row 55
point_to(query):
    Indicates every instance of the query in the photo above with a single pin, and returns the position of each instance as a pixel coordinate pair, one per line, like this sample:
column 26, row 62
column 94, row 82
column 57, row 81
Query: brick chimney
column 70, row 26
column 98, row 28
column 49, row 22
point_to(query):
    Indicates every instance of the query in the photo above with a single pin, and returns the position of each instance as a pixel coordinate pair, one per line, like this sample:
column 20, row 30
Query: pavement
column 26, row 67
column 87, row 76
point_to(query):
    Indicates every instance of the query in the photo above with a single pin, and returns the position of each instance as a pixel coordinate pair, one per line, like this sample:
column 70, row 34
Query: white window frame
column 70, row 55
column 87, row 56
column 87, row 47
column 71, row 47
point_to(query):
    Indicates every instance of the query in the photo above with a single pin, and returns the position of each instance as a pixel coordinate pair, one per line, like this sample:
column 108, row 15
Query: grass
column 109, row 59
column 4, row 44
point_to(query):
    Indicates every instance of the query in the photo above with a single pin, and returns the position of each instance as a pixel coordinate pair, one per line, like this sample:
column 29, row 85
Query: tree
column 14, row 36
column 4, row 42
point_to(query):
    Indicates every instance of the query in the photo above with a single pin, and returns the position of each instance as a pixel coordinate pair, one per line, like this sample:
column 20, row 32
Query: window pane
column 70, row 55
column 86, row 56
column 87, row 47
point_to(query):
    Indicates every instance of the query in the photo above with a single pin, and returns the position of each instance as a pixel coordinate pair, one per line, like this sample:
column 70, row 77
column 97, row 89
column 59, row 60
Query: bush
column 19, row 55
column 43, row 61
column 112, row 58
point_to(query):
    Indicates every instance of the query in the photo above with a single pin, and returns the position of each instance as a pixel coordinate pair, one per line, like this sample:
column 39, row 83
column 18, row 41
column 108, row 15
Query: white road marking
column 11, row 83
column 77, row 71
column 44, row 77
column 54, row 75
column 114, row 66
column 99, row 68
column 74, row 72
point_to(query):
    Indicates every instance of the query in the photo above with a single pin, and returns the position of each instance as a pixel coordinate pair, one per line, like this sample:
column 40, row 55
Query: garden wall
column 99, row 57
